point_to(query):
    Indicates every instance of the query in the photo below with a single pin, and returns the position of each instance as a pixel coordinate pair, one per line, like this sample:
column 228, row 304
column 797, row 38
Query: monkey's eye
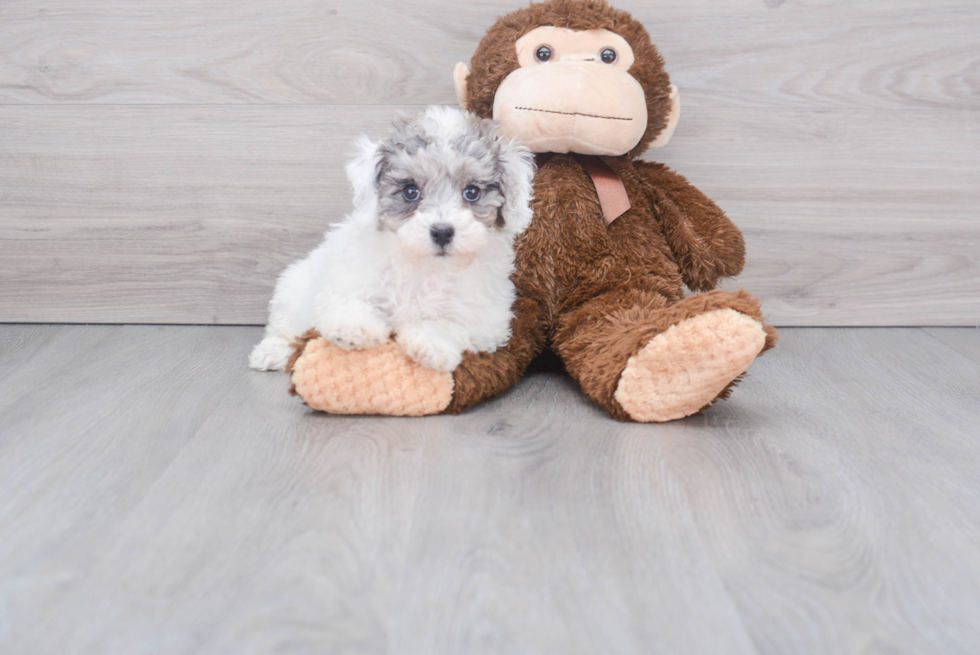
column 411, row 193
column 472, row 193
column 608, row 55
column 543, row 53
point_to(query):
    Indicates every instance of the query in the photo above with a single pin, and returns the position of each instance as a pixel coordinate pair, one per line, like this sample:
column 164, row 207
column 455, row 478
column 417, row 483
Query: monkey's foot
column 684, row 368
column 379, row 380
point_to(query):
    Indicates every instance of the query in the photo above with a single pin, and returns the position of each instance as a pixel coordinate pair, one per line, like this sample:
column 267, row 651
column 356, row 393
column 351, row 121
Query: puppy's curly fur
column 426, row 255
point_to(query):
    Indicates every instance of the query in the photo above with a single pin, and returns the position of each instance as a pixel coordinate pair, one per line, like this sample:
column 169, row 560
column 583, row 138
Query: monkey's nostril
column 441, row 234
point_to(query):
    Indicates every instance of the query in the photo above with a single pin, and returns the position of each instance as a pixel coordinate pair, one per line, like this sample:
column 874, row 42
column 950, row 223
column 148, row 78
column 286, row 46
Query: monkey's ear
column 362, row 171
column 675, row 114
column 461, row 74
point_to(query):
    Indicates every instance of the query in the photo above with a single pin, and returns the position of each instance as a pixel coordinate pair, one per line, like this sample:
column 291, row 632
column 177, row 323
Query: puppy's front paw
column 271, row 354
column 354, row 333
column 429, row 348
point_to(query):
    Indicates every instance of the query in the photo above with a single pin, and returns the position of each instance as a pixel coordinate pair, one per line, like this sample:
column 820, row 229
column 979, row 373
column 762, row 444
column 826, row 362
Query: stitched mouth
column 574, row 113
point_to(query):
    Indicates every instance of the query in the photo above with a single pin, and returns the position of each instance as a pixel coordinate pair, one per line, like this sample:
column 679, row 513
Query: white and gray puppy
column 426, row 255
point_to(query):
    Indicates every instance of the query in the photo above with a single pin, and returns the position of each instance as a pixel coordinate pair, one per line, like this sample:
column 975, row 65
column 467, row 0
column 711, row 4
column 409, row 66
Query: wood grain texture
column 159, row 497
column 749, row 53
column 187, row 214
column 963, row 340
column 162, row 163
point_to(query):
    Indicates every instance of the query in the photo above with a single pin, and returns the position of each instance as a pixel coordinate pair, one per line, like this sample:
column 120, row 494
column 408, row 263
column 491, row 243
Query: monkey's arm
column 707, row 244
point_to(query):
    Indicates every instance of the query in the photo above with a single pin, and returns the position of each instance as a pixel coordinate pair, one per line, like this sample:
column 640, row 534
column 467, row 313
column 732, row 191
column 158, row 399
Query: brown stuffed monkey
column 602, row 268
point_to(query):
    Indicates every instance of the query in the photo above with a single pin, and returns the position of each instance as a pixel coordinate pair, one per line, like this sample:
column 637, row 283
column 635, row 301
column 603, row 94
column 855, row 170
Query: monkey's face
column 569, row 76
column 572, row 93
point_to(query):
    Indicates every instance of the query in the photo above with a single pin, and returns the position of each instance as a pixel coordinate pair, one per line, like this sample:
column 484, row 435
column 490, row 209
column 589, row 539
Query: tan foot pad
column 685, row 367
column 377, row 381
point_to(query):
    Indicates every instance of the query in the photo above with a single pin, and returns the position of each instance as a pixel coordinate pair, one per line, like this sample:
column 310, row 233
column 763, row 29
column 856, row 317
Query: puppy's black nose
column 441, row 234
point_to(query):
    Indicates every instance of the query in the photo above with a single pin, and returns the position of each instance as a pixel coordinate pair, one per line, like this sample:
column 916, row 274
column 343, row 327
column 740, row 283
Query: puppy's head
column 445, row 184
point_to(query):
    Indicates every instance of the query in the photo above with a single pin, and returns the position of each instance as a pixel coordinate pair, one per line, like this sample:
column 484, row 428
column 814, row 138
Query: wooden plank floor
column 158, row 497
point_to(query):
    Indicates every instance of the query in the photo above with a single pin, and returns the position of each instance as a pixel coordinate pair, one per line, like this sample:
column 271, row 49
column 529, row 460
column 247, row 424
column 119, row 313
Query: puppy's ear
column 363, row 172
column 517, row 186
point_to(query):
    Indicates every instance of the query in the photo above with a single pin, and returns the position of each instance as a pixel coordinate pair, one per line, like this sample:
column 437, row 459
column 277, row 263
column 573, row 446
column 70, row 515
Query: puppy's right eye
column 411, row 193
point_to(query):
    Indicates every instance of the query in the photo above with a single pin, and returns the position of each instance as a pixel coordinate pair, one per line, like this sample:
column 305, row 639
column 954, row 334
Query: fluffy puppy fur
column 426, row 255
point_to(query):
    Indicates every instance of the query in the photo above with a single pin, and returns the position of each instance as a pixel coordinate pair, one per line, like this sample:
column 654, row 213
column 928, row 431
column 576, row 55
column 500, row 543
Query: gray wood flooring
column 158, row 497
column 162, row 162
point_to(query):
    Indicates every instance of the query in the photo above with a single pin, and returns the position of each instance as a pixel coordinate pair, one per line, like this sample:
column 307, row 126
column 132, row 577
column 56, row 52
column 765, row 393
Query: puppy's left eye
column 411, row 193
column 472, row 193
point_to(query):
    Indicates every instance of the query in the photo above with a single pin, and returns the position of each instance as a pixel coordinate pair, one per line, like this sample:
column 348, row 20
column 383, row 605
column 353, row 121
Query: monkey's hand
column 705, row 242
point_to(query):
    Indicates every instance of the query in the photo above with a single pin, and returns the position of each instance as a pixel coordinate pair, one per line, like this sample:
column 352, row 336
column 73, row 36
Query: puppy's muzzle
column 442, row 234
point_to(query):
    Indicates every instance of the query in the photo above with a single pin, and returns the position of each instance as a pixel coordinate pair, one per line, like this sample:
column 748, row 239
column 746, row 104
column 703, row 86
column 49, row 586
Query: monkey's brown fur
column 594, row 293
column 597, row 294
